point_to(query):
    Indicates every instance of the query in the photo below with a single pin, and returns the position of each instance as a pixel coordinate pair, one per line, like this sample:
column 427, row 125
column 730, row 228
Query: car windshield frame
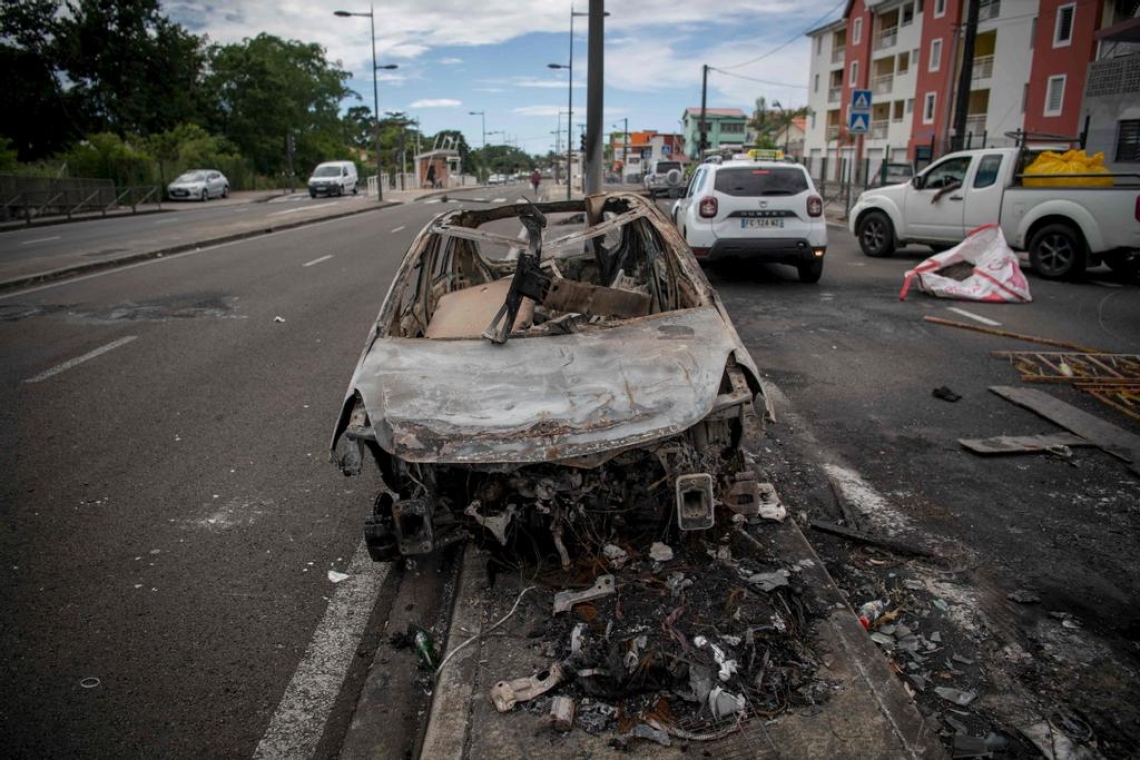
column 327, row 171
column 199, row 176
column 783, row 174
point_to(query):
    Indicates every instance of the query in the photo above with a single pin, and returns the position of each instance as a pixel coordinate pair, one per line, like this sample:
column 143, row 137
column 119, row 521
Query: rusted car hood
column 544, row 398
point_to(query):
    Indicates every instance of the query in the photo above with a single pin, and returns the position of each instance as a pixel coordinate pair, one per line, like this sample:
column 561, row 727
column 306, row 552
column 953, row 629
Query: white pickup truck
column 1064, row 229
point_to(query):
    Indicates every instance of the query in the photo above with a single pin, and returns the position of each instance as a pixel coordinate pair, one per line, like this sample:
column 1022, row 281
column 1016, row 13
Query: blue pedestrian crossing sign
column 858, row 123
column 860, row 101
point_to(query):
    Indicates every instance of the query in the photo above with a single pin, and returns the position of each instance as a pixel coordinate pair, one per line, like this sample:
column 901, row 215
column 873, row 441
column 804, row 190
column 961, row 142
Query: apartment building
column 1029, row 65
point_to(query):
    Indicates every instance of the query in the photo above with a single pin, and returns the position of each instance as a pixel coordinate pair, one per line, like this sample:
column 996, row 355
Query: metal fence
column 31, row 198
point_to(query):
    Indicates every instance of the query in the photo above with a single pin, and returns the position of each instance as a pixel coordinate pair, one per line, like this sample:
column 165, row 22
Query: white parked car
column 763, row 211
column 199, row 184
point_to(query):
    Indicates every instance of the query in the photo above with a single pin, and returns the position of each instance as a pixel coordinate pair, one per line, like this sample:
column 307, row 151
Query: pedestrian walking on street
column 535, row 178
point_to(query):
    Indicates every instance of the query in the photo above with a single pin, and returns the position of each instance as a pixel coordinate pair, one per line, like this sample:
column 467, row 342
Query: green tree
column 504, row 159
column 136, row 71
column 38, row 115
column 359, row 126
column 267, row 87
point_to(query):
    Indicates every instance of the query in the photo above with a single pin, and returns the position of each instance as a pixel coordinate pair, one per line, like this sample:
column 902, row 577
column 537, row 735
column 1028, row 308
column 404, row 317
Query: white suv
column 664, row 177
column 765, row 211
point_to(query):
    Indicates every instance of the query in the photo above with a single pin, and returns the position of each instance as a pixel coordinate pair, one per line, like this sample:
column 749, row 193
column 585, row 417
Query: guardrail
column 32, row 198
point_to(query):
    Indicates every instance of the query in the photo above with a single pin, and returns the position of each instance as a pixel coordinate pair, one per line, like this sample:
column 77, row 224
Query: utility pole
column 594, row 97
column 965, row 75
column 703, row 143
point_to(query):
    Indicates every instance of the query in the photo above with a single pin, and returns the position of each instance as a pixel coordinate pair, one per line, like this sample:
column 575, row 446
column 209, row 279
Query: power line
column 798, row 35
column 761, row 81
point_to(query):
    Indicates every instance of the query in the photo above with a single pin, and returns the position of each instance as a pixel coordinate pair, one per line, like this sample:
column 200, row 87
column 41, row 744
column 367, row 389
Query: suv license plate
column 745, row 223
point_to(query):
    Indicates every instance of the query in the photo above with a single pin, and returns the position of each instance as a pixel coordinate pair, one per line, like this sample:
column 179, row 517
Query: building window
column 1055, row 95
column 935, row 55
column 857, row 32
column 732, row 128
column 928, row 108
column 815, row 87
column 903, row 63
column 818, row 45
column 910, row 105
column 1024, row 96
column 854, row 73
column 1063, row 27
column 1032, row 31
column 1128, row 141
column 939, row 8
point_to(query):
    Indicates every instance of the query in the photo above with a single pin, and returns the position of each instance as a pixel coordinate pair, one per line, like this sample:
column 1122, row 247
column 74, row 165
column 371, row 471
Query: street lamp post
column 375, row 91
column 569, row 106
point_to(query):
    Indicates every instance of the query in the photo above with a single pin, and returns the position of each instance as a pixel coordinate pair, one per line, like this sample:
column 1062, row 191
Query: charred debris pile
column 665, row 642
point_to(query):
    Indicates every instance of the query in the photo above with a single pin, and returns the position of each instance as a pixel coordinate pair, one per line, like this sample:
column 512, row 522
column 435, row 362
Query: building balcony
column 882, row 85
column 879, row 129
column 989, row 9
column 983, row 67
column 834, row 94
column 976, row 125
column 886, row 38
column 837, row 55
column 833, row 132
column 1114, row 77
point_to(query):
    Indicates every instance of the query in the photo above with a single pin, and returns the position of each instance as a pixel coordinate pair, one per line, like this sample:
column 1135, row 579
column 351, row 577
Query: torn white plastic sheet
column 997, row 276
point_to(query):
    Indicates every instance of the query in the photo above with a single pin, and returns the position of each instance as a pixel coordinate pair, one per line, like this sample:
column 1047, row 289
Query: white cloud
column 436, row 103
column 552, row 84
column 406, row 29
column 539, row 110
column 450, row 61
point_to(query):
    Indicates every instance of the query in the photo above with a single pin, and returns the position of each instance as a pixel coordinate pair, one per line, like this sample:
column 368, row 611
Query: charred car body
column 556, row 382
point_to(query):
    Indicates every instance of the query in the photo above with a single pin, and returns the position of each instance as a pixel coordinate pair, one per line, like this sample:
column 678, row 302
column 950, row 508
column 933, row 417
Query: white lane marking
column 498, row 200
column 317, row 261
column 478, row 199
column 974, row 316
column 867, row 500
column 160, row 260
column 165, row 221
column 40, row 240
column 402, row 226
column 303, row 208
column 80, row 359
column 1104, row 284
column 432, row 200
column 299, row 721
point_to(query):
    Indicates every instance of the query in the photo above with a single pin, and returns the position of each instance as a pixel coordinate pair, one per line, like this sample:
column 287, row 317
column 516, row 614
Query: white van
column 333, row 178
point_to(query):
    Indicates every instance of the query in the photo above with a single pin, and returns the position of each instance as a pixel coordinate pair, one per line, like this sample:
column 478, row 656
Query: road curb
column 134, row 258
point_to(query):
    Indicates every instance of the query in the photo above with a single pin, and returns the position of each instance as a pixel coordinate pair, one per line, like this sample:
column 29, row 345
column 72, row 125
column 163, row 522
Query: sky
column 459, row 56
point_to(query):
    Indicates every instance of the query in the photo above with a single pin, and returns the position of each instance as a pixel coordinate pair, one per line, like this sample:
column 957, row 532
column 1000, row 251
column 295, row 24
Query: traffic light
column 582, row 143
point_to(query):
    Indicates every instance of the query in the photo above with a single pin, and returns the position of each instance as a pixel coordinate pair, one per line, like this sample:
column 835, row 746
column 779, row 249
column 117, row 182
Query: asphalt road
column 171, row 516
column 27, row 250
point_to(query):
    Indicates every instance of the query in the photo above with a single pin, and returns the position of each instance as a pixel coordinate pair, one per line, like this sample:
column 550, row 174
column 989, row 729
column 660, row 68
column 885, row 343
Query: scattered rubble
column 676, row 642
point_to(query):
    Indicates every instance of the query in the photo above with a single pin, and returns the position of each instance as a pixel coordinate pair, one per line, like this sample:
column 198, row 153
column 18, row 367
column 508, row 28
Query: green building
column 727, row 128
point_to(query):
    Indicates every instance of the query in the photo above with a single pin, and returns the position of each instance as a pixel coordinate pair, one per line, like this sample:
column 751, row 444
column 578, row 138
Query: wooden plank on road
column 1116, row 441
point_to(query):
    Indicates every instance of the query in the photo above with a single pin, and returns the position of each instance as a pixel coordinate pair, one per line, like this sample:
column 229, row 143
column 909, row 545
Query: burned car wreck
column 579, row 375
